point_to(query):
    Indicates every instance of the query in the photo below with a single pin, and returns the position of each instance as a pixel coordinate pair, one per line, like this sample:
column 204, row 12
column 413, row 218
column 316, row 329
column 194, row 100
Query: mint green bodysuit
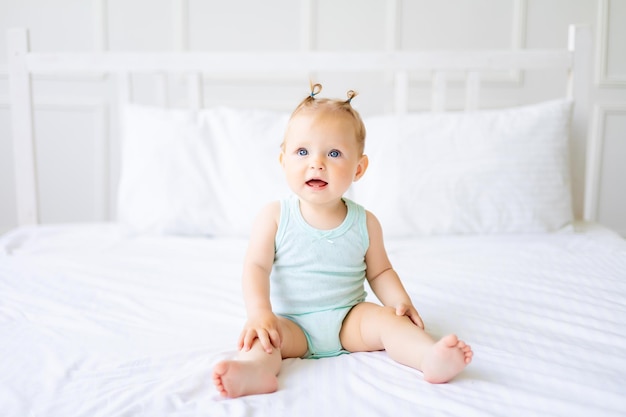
column 318, row 275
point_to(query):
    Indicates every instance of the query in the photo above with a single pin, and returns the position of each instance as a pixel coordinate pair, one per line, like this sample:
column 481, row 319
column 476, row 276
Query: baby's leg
column 255, row 371
column 369, row 327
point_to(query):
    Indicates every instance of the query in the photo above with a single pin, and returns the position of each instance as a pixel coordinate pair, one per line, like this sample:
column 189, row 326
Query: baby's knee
column 388, row 311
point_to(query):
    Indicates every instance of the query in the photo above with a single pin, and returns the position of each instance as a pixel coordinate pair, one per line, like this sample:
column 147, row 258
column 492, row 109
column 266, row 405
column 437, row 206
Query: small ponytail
column 351, row 94
column 315, row 89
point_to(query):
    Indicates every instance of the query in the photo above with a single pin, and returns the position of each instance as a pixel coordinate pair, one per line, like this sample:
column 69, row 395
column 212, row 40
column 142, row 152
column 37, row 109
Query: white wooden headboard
column 575, row 62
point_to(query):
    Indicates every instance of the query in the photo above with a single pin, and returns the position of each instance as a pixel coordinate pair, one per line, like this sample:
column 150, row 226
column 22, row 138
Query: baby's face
column 321, row 156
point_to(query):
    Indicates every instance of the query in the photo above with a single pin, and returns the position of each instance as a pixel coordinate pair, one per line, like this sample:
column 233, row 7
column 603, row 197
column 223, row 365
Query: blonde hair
column 340, row 107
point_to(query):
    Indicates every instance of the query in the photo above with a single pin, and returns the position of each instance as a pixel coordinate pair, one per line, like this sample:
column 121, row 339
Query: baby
column 308, row 257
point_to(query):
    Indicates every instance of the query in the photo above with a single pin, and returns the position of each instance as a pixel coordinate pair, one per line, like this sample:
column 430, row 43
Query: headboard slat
column 20, row 91
column 267, row 62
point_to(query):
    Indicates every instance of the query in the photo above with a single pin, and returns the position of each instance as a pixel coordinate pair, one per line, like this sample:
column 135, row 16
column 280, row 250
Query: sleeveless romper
column 318, row 275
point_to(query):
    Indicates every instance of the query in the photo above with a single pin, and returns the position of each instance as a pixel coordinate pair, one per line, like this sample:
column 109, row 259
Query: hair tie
column 315, row 89
column 351, row 94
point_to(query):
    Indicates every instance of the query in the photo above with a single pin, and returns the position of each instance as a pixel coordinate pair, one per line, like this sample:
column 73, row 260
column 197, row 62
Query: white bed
column 126, row 318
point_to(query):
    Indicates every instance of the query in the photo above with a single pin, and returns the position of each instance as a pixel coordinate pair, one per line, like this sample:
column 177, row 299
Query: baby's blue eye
column 334, row 153
column 303, row 152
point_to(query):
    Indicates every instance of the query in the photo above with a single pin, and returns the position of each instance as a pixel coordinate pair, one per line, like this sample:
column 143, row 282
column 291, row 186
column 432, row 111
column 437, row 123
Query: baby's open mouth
column 316, row 183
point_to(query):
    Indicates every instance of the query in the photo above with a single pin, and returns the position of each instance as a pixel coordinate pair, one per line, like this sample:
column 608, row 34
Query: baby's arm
column 261, row 323
column 382, row 278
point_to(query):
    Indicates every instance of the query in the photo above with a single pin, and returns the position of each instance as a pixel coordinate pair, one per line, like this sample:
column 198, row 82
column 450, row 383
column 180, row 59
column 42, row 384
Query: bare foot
column 238, row 378
column 447, row 358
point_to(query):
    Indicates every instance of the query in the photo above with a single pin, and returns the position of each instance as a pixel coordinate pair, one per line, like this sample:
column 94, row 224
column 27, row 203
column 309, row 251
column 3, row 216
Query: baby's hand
column 410, row 311
column 263, row 326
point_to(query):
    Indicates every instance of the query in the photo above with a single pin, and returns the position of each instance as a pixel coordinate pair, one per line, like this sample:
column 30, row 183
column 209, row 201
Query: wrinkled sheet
column 96, row 322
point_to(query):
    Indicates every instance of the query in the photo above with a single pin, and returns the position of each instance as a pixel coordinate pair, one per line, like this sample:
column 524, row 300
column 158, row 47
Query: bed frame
column 574, row 61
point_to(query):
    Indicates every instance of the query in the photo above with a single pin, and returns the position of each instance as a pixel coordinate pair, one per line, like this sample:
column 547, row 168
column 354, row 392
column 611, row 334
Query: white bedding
column 94, row 322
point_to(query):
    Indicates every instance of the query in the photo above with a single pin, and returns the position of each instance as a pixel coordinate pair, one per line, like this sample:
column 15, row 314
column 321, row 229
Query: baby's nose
column 317, row 163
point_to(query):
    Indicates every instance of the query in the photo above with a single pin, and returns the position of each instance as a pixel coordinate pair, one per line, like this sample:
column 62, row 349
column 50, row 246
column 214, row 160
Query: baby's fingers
column 401, row 310
column 247, row 339
column 415, row 318
column 240, row 341
column 275, row 338
column 266, row 343
column 411, row 313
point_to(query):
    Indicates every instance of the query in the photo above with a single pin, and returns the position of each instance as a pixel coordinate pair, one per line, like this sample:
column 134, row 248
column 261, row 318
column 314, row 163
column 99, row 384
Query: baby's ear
column 281, row 156
column 361, row 168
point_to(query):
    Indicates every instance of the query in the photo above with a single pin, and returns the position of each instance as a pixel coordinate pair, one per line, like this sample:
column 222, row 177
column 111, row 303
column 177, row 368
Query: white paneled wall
column 76, row 116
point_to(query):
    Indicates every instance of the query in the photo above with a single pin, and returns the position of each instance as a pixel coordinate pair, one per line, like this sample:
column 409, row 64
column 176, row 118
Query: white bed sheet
column 97, row 323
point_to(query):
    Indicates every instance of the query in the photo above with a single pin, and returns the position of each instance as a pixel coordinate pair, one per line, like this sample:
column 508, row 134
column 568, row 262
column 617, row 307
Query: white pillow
column 198, row 173
column 491, row 171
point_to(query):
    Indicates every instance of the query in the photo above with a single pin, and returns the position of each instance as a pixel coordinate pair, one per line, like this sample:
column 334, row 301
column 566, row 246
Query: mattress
column 95, row 321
